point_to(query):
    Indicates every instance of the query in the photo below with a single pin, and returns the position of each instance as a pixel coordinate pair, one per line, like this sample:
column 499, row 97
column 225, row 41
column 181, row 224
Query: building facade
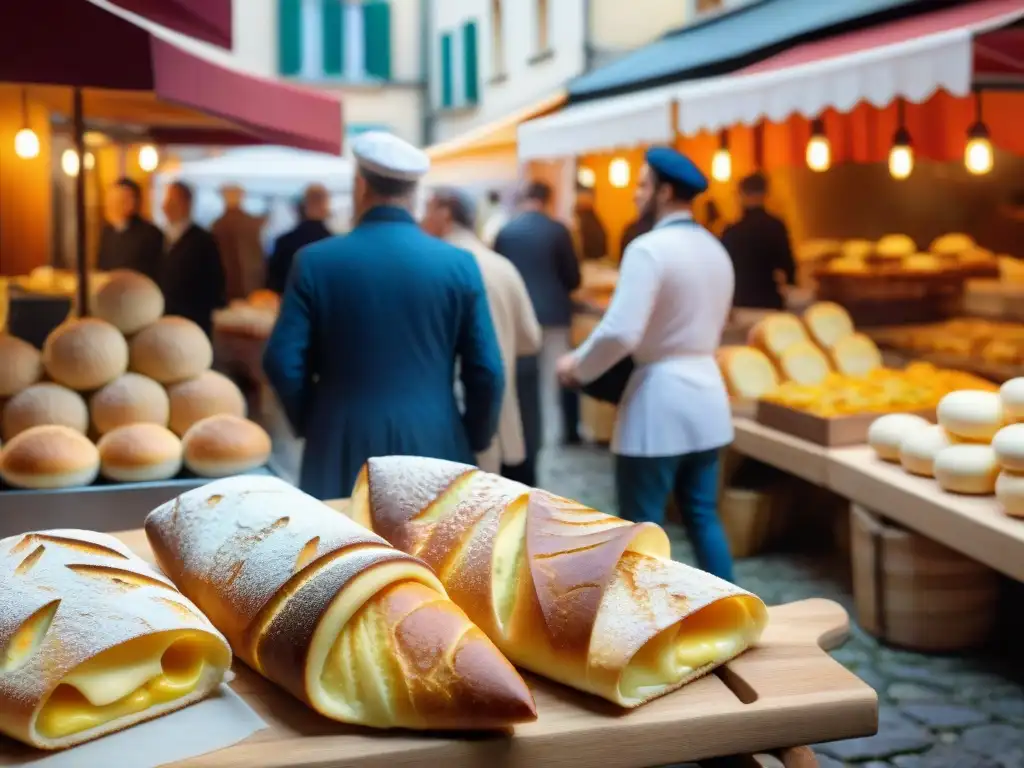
column 371, row 52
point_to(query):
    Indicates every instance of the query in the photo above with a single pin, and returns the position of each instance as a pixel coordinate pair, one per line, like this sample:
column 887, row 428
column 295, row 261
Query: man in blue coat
column 372, row 325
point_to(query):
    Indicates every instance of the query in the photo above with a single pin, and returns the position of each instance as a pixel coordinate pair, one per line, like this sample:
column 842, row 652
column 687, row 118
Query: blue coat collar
column 387, row 213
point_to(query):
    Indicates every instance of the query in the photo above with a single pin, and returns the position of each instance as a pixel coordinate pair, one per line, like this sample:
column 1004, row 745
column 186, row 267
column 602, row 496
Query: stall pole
column 78, row 129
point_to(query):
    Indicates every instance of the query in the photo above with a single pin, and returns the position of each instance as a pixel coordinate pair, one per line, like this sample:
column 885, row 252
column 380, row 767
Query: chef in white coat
column 670, row 305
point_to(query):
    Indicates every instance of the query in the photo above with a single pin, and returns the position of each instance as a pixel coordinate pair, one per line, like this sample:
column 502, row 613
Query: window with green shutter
column 447, row 73
column 333, row 28
column 289, row 37
column 471, row 73
column 377, row 36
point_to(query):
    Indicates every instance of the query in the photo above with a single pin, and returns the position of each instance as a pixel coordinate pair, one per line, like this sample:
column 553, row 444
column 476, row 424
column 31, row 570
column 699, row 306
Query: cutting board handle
column 819, row 622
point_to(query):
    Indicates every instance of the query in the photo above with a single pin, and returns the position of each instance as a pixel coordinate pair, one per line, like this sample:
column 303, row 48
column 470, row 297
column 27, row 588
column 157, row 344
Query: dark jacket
column 193, row 278
column 593, row 238
column 542, row 250
column 363, row 355
column 287, row 245
column 140, row 247
column 758, row 245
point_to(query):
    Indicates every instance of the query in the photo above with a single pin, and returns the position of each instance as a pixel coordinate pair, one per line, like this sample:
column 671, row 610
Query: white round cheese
column 971, row 415
column 1012, row 394
column 1009, row 447
column 886, row 433
column 968, row 468
column 1010, row 493
column 919, row 448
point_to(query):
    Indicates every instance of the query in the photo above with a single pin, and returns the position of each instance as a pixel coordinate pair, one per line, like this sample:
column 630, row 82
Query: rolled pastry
column 359, row 631
column 93, row 640
column 568, row 592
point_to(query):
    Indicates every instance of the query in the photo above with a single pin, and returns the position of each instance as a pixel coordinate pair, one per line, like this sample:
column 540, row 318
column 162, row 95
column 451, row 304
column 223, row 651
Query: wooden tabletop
column 784, row 693
column 790, row 454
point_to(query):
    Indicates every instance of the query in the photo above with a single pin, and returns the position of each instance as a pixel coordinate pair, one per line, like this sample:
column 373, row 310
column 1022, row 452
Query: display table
column 973, row 526
column 786, row 692
column 790, row 454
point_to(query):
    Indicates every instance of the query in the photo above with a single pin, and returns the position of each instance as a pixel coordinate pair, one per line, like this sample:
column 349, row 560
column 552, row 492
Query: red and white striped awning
column 953, row 49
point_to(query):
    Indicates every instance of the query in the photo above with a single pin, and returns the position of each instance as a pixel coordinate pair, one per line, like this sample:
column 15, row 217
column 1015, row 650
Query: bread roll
column 21, row 365
column 952, row 244
column 587, row 599
column 1010, row 493
column 776, row 333
column 171, row 350
column 41, row 404
column 208, row 394
column 886, row 433
column 748, row 373
column 971, row 415
column 139, row 453
column 219, row 446
column 804, row 363
column 895, row 247
column 85, row 354
column 130, row 399
column 129, row 301
column 856, row 355
column 1008, row 444
column 49, row 457
column 922, row 263
column 359, row 631
column 857, row 250
column 1012, row 395
column 827, row 323
column 919, row 448
column 97, row 641
column 968, row 468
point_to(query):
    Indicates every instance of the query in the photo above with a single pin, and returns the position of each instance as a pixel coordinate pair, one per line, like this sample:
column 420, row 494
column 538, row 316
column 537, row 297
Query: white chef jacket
column 670, row 305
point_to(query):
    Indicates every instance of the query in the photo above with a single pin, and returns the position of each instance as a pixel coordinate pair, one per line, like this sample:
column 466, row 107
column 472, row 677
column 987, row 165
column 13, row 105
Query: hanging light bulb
column 618, row 173
column 721, row 161
column 69, row 162
column 26, row 142
column 901, row 156
column 819, row 151
column 586, row 177
column 149, row 158
column 90, row 161
column 978, row 155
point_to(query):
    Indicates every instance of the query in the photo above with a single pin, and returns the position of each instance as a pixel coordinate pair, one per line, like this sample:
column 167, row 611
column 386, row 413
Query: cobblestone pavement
column 935, row 711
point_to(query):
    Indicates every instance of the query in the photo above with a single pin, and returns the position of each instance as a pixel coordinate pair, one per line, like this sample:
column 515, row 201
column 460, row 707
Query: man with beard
column 671, row 303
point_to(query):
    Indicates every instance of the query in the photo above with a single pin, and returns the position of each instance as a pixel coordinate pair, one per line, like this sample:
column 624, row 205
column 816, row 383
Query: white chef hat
column 386, row 155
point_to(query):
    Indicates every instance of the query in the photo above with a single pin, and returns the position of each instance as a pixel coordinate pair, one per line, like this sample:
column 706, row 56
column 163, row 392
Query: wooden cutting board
column 787, row 692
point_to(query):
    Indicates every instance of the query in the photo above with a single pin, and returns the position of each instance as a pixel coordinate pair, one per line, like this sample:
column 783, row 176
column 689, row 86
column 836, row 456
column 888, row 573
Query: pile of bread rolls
column 127, row 394
column 899, row 254
column 976, row 449
column 253, row 317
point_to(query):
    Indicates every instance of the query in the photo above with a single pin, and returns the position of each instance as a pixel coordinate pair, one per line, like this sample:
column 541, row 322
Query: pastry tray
column 786, row 692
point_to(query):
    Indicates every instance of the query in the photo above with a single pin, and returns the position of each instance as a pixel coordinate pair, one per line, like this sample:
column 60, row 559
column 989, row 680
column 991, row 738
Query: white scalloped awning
column 606, row 124
column 911, row 58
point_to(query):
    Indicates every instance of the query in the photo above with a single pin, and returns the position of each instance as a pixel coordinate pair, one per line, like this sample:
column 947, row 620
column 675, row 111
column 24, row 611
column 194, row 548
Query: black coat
column 287, row 245
column 193, row 278
column 758, row 245
column 140, row 247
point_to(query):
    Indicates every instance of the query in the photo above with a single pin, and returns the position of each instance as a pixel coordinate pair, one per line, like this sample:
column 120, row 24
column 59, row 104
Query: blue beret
column 674, row 166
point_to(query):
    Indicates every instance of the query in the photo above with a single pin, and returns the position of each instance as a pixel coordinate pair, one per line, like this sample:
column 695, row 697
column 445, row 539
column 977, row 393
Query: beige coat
column 518, row 334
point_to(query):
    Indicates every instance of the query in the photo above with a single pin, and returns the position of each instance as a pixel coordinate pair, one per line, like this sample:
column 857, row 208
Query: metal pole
column 78, row 129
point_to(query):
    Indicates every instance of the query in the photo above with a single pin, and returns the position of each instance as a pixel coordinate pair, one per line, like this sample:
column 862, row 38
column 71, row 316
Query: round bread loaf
column 971, row 415
column 44, row 403
column 922, row 263
column 220, row 446
column 886, row 433
column 129, row 301
column 171, row 350
column 895, row 247
column 1012, row 395
column 85, row 354
column 130, row 399
column 776, row 333
column 857, row 249
column 1010, row 493
column 208, row 394
column 919, row 448
column 856, row 355
column 21, row 365
column 1009, row 447
column 952, row 244
column 968, row 468
column 139, row 453
column 804, row 363
column 827, row 323
column 49, row 456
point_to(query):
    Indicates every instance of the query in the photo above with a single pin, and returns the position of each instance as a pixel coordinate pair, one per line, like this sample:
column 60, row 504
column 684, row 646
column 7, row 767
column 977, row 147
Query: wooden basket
column 749, row 517
column 916, row 593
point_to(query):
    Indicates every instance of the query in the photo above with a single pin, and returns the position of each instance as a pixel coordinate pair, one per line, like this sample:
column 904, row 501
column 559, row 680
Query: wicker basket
column 916, row 593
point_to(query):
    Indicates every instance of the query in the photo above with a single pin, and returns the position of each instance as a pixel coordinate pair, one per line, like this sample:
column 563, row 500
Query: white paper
column 217, row 722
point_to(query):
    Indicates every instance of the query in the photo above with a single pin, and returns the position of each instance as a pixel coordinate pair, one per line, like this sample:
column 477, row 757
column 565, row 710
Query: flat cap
column 674, row 166
column 384, row 154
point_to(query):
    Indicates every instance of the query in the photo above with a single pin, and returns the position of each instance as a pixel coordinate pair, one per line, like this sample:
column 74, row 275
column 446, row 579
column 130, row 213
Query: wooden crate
column 916, row 593
column 828, row 432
